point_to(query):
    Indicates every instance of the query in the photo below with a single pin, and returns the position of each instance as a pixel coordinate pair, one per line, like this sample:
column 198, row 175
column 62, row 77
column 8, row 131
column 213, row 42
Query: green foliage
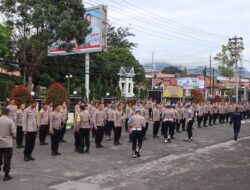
column 227, row 61
column 4, row 91
column 173, row 70
column 118, row 38
column 5, row 38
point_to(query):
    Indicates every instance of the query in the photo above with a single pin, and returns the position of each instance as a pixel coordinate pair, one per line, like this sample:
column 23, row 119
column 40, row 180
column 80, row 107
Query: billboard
column 95, row 41
column 173, row 92
column 190, row 83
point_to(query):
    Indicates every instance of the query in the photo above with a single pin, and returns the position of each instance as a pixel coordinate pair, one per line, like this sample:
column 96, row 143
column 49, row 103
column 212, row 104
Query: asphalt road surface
column 212, row 161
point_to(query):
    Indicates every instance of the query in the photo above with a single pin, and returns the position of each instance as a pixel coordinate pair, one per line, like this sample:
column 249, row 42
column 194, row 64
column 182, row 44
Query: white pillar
column 87, row 75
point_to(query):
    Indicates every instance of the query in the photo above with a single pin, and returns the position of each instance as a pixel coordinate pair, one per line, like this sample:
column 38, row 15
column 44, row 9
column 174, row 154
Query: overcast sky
column 181, row 31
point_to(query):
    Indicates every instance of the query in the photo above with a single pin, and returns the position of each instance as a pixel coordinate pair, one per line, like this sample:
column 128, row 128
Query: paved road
column 211, row 161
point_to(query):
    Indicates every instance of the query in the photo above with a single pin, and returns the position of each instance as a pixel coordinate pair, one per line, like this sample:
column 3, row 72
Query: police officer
column 76, row 119
column 110, row 121
column 83, row 127
column 43, row 123
column 206, row 114
column 200, row 112
column 99, row 122
column 136, row 125
column 30, row 130
column 145, row 115
column 118, row 124
column 64, row 112
column 128, row 115
column 55, row 127
column 7, row 133
column 19, row 126
column 12, row 109
column 156, row 121
column 167, row 122
column 189, row 122
column 91, row 110
column 236, row 118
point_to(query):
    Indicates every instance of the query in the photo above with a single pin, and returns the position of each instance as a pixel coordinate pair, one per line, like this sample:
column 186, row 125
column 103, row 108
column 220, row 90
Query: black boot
column 7, row 177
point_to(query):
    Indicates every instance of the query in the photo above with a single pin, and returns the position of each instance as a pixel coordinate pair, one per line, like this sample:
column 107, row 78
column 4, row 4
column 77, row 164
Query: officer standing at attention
column 12, row 109
column 64, row 112
column 189, row 121
column 55, row 127
column 118, row 124
column 156, row 120
column 76, row 118
column 7, row 133
column 83, row 127
column 136, row 125
column 19, row 126
column 43, row 123
column 99, row 122
column 30, row 130
column 145, row 115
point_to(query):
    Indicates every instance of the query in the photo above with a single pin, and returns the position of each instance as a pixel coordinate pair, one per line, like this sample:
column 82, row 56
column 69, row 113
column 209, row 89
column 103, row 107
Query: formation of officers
column 100, row 120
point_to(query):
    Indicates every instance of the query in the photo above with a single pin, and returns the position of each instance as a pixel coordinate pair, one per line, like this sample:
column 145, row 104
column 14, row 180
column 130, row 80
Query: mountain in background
column 159, row 66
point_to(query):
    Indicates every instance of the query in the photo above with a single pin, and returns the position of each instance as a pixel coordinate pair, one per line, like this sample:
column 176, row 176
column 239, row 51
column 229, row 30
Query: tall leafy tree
column 226, row 67
column 5, row 38
column 37, row 22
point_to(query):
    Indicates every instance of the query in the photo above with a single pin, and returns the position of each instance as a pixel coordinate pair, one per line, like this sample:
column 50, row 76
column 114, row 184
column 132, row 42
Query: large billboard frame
column 103, row 35
column 182, row 81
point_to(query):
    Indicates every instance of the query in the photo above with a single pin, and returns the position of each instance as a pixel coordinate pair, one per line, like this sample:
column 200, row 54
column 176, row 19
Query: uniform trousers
column 205, row 120
column 136, row 140
column 236, row 131
column 190, row 128
column 84, row 134
column 99, row 135
column 63, row 130
column 43, row 131
column 144, row 130
column 156, row 127
column 166, row 126
column 55, row 139
column 183, row 121
column 118, row 132
column 19, row 136
column 30, row 139
column 77, row 140
column 5, row 158
column 108, row 128
column 199, row 120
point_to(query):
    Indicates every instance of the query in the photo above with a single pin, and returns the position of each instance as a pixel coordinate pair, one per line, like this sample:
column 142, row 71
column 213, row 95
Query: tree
column 56, row 94
column 226, row 60
column 197, row 96
column 21, row 95
column 38, row 23
column 173, row 70
column 118, row 38
column 5, row 38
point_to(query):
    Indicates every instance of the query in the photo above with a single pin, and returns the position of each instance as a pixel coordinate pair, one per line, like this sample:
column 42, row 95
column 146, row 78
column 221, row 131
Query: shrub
column 21, row 95
column 197, row 96
column 56, row 94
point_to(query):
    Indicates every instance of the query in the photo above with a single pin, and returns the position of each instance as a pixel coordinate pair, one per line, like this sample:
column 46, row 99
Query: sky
column 181, row 32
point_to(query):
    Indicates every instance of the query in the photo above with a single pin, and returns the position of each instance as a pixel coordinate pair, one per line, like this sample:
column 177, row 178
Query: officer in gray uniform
column 168, row 117
column 7, row 133
column 136, row 123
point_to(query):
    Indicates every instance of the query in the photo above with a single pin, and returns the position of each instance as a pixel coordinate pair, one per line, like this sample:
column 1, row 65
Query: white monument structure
column 126, row 83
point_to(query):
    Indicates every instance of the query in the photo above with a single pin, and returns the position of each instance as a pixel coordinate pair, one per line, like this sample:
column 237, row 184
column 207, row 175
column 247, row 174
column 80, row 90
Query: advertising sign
column 95, row 41
column 173, row 92
column 190, row 83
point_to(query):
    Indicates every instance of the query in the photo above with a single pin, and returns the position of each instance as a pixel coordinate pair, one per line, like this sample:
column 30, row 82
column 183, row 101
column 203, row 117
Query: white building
column 126, row 83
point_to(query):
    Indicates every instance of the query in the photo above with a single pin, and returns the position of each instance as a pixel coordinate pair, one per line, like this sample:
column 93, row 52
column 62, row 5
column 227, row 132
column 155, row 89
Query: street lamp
column 75, row 92
column 32, row 93
column 69, row 76
column 107, row 94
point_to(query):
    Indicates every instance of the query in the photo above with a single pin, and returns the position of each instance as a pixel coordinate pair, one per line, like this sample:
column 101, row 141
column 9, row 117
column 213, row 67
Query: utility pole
column 213, row 83
column 236, row 47
column 210, row 63
column 153, row 72
column 204, row 74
